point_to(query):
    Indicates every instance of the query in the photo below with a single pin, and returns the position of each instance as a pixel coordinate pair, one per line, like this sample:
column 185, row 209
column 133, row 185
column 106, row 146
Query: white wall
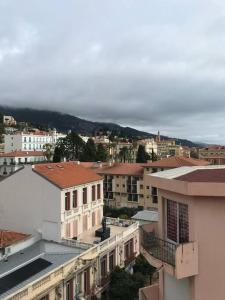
column 176, row 289
column 29, row 203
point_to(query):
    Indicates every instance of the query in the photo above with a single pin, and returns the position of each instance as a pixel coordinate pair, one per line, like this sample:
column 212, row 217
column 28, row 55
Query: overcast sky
column 142, row 63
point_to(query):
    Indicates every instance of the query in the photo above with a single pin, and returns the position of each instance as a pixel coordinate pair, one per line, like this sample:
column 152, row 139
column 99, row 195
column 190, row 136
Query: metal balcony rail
column 158, row 248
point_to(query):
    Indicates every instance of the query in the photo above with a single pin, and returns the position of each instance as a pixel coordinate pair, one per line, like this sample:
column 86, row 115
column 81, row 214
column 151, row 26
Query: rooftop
column 177, row 161
column 34, row 262
column 66, row 174
column 8, row 238
column 22, row 154
column 204, row 175
column 146, row 215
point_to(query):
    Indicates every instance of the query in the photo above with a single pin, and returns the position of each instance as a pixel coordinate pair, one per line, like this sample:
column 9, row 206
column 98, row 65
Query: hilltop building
column 9, row 121
column 23, row 141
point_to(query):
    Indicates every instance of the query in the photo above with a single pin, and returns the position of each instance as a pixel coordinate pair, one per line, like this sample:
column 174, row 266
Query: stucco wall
column 28, row 203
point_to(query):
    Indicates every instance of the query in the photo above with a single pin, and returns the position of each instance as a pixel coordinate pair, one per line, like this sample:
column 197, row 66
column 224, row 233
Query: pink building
column 187, row 246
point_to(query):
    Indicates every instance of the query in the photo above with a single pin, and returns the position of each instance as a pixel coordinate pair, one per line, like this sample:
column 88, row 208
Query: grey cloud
column 148, row 64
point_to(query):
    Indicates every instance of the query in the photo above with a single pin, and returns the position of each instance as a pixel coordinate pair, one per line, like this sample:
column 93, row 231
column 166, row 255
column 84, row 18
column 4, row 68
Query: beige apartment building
column 125, row 184
column 215, row 155
column 187, row 246
column 61, row 249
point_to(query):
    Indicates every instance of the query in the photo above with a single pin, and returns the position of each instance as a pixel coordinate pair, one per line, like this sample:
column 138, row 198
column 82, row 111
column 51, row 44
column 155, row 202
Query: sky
column 152, row 65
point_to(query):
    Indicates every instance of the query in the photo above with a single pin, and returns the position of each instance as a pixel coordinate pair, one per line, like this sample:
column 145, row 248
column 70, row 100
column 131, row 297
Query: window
column 99, row 191
column 104, row 266
column 87, row 281
column 141, row 186
column 69, row 290
column 177, row 222
column 154, row 195
column 75, row 199
column 67, row 201
column 93, row 193
column 84, row 195
column 129, row 249
column 46, row 297
column 112, row 261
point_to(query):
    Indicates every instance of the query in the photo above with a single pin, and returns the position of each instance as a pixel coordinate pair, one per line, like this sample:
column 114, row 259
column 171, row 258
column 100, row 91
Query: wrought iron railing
column 158, row 248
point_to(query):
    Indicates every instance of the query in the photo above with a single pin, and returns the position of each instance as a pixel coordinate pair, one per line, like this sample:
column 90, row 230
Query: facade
column 189, row 238
column 125, row 184
column 46, row 270
column 23, row 141
column 61, row 200
column 9, row 120
column 149, row 144
column 21, row 157
column 215, row 155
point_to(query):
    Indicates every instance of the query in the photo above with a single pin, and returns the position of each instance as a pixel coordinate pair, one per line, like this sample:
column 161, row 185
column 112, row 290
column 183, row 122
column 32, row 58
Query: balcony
column 180, row 260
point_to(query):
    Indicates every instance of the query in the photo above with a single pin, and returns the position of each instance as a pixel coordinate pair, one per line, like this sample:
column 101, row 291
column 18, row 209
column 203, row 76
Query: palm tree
column 48, row 153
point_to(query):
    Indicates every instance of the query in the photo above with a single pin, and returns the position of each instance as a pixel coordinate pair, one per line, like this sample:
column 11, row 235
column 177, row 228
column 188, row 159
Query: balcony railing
column 159, row 248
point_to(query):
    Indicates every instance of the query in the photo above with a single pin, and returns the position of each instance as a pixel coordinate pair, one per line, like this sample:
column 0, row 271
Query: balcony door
column 177, row 226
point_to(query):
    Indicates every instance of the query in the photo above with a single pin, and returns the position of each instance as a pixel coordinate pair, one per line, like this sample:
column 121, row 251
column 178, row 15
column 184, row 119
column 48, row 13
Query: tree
column 142, row 155
column 124, row 285
column 57, row 157
column 142, row 266
column 101, row 153
column 48, row 153
column 74, row 146
column 153, row 156
column 124, row 154
column 89, row 153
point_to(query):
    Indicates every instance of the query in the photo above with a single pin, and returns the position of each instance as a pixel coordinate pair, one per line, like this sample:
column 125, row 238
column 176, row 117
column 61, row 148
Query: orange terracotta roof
column 66, row 174
column 22, row 154
column 131, row 169
column 204, row 175
column 177, row 161
column 8, row 238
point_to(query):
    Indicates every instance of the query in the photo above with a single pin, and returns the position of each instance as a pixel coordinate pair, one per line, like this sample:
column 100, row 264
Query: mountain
column 65, row 122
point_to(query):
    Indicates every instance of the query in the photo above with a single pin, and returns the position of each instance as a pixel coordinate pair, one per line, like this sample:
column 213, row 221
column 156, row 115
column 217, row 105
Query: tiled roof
column 132, row 169
column 204, row 175
column 8, row 238
column 66, row 174
column 177, row 161
column 22, row 154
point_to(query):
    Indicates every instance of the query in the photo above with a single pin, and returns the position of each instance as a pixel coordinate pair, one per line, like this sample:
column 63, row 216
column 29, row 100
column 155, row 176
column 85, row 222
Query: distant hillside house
column 22, row 141
column 9, row 120
column 21, row 157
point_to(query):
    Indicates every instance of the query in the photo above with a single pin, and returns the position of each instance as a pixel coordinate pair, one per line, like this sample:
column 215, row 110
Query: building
column 149, row 144
column 21, row 157
column 61, row 200
column 9, row 120
column 125, row 184
column 189, row 238
column 23, row 141
column 215, row 155
column 57, row 209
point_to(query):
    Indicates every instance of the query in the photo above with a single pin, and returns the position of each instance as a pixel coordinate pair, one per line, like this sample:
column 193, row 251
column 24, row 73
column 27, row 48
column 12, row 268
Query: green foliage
column 124, row 285
column 57, row 157
column 142, row 266
column 89, row 152
column 142, row 155
column 153, row 156
column 101, row 153
column 114, row 212
column 74, row 146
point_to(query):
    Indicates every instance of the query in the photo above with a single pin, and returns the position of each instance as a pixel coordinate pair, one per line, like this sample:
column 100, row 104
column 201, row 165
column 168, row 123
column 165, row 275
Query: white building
column 149, row 144
column 9, row 120
column 21, row 157
column 56, row 200
column 23, row 141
